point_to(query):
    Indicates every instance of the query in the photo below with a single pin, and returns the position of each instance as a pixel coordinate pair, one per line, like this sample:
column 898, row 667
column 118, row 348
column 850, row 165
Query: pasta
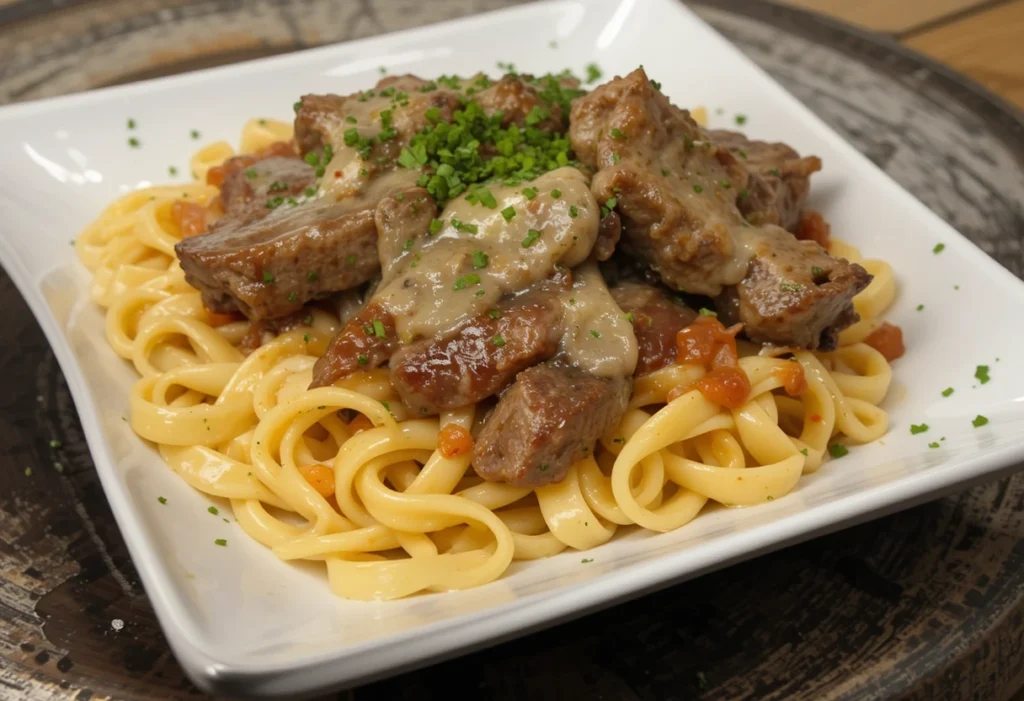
column 372, row 496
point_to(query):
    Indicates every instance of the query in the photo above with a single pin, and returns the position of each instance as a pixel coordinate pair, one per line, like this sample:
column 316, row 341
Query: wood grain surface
column 925, row 604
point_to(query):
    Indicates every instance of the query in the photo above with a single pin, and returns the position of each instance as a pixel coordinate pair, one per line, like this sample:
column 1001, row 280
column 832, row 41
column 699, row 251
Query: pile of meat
column 701, row 212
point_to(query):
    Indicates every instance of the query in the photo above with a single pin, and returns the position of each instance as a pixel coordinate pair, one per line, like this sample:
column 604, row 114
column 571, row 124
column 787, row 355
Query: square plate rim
column 215, row 672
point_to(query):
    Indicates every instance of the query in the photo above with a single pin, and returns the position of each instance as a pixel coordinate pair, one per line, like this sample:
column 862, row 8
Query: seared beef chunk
column 322, row 120
column 779, row 181
column 795, row 295
column 677, row 193
column 254, row 189
column 656, row 320
column 365, row 342
column 466, row 365
column 608, row 236
column 548, row 419
column 516, row 99
column 270, row 266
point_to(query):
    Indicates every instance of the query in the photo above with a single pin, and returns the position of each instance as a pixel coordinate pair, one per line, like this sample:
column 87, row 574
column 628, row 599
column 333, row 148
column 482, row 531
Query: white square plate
column 238, row 619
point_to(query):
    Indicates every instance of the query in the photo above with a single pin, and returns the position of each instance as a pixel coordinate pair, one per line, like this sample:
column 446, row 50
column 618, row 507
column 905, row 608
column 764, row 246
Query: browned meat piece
column 549, row 418
column 674, row 190
column 677, row 194
column 657, row 319
column 796, row 294
column 251, row 191
column 323, row 119
column 516, row 99
column 481, row 357
column 608, row 236
column 365, row 342
column 779, row 182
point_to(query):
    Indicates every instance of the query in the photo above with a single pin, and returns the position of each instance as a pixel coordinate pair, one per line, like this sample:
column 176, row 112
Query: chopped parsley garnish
column 543, row 468
column 979, row 420
column 293, row 296
column 480, row 259
column 743, row 194
column 481, row 195
column 275, row 202
column 383, row 70
column 400, row 196
column 698, row 189
column 530, row 192
column 573, row 211
column 480, row 293
column 172, row 170
column 277, row 186
column 305, row 337
column 704, row 311
column 556, row 193
column 948, row 391
column 162, row 500
column 463, row 226
column 595, row 333
column 776, row 172
column 741, row 119
column 194, row 133
column 350, row 119
column 933, row 445
column 133, row 142
column 509, row 213
column 435, row 226
column 617, row 133
column 251, row 173
column 725, row 184
column 981, row 374
column 918, row 428
column 587, row 560
column 465, row 281
column 408, row 244
column 838, row 450
column 268, row 277
column 312, row 276
column 531, row 238
column 351, row 260
column 611, row 204
column 920, row 307
column 615, row 157
column 666, row 172
column 221, row 542
column 378, row 329
column 494, row 314
column 816, row 271
column 297, row 105
column 803, row 451
column 363, row 360
column 939, row 247
column 55, row 443
column 131, row 123
column 593, row 72
column 631, row 317
column 498, row 341
column 213, row 510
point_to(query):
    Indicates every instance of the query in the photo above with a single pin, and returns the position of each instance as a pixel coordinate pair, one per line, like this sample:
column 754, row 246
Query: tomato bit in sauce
column 792, row 377
column 887, row 339
column 189, row 217
column 454, row 440
column 706, row 341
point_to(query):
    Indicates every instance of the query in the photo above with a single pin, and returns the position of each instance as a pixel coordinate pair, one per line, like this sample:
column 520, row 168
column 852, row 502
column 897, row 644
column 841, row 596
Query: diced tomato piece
column 887, row 339
column 454, row 440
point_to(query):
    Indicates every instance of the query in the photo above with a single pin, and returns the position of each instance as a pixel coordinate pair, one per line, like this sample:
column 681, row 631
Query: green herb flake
column 948, row 391
column 509, row 213
column 838, row 450
column 378, row 329
column 920, row 307
column 587, row 560
column 741, row 119
column 162, row 500
column 595, row 333
column 54, row 443
column 530, row 192
column 816, row 271
column 221, row 542
column 631, row 317
column 172, row 171
column 131, row 123
column 615, row 158
column 933, row 445
column 363, row 360
column 293, row 296
column 698, row 189
column 133, row 142
column 666, row 172
column 574, row 211
column 268, row 277
column 617, row 134
column 465, row 281
column 918, row 428
column 194, row 133
column 435, row 226
column 939, row 247
column 804, row 452
column 593, row 72
column 981, row 374
column 480, row 259
column 494, row 314
column 531, row 238
column 979, row 421
column 776, row 172
column 213, row 510
column 704, row 311
column 498, row 341
column 556, row 193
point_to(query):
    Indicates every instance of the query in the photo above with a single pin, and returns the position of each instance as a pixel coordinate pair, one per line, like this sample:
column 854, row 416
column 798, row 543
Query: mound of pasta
column 433, row 327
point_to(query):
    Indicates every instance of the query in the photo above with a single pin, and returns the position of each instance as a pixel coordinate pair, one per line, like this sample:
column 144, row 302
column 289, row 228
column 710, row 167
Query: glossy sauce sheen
column 598, row 338
column 430, row 288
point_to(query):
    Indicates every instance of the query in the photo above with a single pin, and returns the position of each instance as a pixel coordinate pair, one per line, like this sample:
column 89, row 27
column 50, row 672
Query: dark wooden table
column 926, row 604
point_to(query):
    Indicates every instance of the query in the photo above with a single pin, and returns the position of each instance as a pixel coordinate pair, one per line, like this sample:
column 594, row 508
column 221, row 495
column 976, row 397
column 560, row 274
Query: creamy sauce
column 598, row 338
column 440, row 281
